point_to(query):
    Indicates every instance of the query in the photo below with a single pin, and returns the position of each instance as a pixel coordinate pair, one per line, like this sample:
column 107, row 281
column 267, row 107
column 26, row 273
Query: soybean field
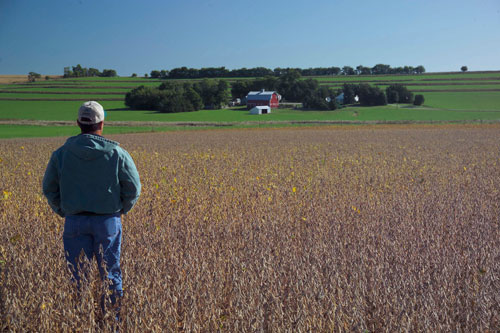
column 361, row 228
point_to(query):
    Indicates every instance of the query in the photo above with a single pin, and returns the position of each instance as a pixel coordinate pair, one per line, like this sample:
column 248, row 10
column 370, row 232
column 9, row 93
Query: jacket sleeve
column 130, row 184
column 50, row 186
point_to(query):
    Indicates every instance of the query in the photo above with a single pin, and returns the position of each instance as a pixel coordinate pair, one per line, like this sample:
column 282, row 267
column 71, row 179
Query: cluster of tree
column 219, row 72
column 292, row 89
column 79, row 71
column 378, row 69
column 397, row 93
column 32, row 76
column 370, row 95
column 173, row 97
column 381, row 69
column 209, row 72
column 321, row 98
column 163, row 74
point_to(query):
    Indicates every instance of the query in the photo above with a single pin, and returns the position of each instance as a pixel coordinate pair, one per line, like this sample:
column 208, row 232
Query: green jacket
column 91, row 174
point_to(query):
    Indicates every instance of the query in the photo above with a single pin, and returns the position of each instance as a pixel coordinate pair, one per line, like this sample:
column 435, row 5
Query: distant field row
column 451, row 88
column 454, row 75
column 74, row 93
column 469, row 97
column 57, row 98
column 122, row 88
column 493, row 75
column 105, row 86
column 66, row 87
column 438, row 106
column 58, row 92
column 63, row 84
column 31, row 131
column 420, row 83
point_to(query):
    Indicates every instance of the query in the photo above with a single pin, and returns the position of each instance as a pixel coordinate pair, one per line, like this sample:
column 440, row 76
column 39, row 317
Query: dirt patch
column 11, row 91
column 7, row 79
column 426, row 82
column 79, row 86
column 245, row 123
column 56, row 99
column 454, row 90
column 465, row 79
column 448, row 83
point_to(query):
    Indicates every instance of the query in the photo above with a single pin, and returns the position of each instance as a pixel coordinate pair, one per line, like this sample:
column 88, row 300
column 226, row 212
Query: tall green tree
column 164, row 74
column 419, row 69
column 381, row 69
column 348, row 70
column 32, row 76
column 371, row 96
column 108, row 73
column 362, row 70
column 155, row 74
column 93, row 72
column 193, row 97
column 349, row 91
column 398, row 93
column 419, row 100
column 240, row 89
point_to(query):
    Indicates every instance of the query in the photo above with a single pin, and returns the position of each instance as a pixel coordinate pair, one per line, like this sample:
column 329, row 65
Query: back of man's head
column 90, row 117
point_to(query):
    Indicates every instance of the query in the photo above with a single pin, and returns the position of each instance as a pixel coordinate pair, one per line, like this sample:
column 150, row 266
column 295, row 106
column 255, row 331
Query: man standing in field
column 92, row 181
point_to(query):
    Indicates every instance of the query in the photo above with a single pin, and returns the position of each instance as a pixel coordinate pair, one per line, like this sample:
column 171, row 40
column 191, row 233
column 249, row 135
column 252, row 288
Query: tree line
column 79, row 71
column 220, row 72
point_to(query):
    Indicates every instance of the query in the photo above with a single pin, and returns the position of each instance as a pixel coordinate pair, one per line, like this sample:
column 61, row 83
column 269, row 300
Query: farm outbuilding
column 263, row 98
column 260, row 110
column 340, row 98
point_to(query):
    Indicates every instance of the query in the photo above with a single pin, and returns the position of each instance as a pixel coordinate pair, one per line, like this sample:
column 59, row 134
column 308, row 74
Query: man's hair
column 89, row 128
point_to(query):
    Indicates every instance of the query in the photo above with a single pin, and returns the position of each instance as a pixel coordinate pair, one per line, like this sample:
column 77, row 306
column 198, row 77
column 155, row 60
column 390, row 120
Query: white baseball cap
column 90, row 113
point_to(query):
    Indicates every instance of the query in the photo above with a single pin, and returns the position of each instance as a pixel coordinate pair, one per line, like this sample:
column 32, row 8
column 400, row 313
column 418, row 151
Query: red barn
column 263, row 98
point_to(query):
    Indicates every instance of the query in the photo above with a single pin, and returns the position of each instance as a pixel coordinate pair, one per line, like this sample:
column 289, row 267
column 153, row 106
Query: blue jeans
column 98, row 236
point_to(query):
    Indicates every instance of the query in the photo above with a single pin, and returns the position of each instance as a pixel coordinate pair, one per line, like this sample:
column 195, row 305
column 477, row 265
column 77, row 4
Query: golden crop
column 286, row 230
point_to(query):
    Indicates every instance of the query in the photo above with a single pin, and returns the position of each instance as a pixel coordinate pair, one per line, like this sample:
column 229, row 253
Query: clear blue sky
column 134, row 36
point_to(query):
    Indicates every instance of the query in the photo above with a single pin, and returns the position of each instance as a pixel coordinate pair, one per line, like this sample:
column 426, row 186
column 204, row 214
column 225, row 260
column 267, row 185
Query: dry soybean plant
column 329, row 229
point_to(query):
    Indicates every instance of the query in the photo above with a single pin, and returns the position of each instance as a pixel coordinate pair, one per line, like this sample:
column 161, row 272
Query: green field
column 447, row 102
column 472, row 101
column 493, row 75
column 95, row 96
column 27, row 131
column 46, row 89
column 484, row 105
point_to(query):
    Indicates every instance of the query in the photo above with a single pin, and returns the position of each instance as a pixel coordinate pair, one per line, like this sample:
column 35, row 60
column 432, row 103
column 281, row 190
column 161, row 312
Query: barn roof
column 260, row 95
